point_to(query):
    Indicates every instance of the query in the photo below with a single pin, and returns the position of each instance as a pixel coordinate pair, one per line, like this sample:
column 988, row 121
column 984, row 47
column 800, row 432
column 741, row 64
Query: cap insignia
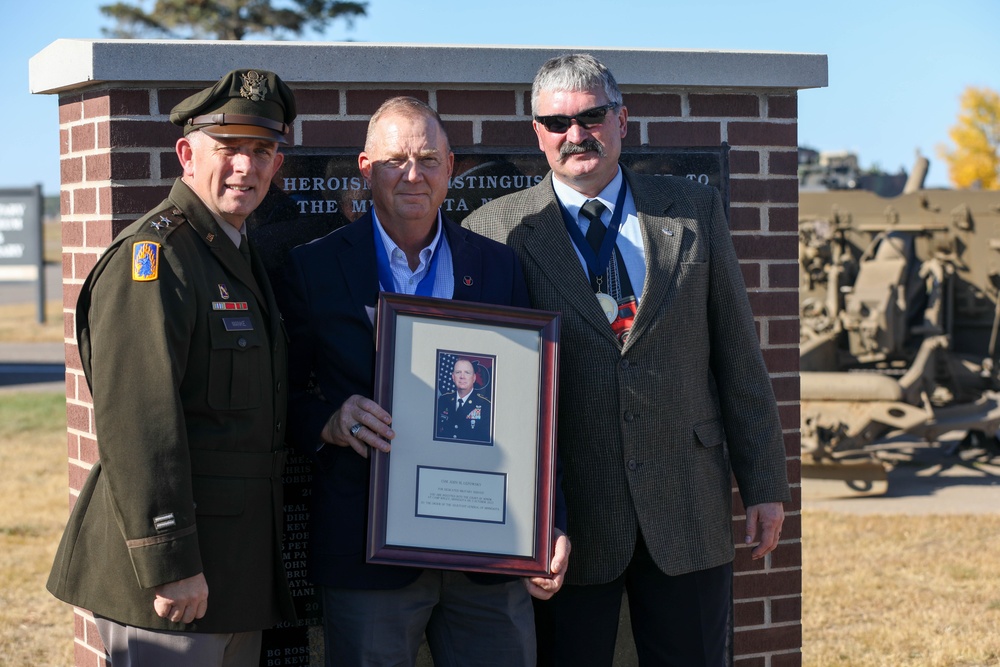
column 145, row 261
column 254, row 86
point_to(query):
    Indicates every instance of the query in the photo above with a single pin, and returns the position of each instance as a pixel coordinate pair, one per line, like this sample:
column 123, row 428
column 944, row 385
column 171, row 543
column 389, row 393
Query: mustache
column 590, row 144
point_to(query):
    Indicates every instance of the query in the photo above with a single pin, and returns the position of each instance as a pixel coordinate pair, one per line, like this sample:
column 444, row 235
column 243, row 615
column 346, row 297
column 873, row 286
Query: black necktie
column 592, row 210
column 245, row 248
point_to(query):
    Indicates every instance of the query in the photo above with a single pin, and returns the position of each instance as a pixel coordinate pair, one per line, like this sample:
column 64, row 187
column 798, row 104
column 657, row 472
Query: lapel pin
column 467, row 280
column 210, row 237
column 668, row 232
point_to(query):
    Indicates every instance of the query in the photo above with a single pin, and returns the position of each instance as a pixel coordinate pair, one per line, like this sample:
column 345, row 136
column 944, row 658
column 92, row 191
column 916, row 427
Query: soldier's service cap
column 246, row 103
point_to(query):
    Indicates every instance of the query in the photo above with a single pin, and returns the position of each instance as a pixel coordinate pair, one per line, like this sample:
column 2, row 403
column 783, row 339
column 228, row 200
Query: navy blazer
column 328, row 298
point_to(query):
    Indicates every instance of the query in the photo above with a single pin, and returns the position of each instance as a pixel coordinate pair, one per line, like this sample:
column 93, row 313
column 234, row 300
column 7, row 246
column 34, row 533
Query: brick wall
column 117, row 161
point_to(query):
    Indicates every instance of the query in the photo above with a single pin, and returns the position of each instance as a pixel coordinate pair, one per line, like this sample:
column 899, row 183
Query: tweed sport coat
column 651, row 430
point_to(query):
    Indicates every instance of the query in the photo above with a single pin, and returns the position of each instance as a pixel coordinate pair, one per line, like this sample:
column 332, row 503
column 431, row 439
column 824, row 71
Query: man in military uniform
column 463, row 414
column 174, row 542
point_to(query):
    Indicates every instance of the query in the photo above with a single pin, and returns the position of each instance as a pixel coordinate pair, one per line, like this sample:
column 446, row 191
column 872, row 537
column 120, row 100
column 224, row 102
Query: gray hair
column 410, row 107
column 575, row 72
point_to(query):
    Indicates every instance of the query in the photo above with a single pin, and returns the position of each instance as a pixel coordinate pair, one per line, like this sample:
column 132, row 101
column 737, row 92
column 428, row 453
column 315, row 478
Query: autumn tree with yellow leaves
column 975, row 161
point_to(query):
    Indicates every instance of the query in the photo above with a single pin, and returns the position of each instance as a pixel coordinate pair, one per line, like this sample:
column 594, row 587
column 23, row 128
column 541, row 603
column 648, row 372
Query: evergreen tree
column 227, row 19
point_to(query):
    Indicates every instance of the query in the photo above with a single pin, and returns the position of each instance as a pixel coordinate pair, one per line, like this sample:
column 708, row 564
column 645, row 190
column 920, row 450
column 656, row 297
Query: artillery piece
column 899, row 316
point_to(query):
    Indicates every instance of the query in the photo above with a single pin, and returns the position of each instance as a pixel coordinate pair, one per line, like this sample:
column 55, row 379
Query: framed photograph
column 464, row 393
column 470, row 481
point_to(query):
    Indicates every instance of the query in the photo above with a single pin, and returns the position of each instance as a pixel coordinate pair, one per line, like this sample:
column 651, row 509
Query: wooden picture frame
column 467, row 486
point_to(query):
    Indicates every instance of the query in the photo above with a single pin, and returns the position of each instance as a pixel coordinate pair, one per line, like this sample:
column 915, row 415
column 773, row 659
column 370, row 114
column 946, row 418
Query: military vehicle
column 899, row 318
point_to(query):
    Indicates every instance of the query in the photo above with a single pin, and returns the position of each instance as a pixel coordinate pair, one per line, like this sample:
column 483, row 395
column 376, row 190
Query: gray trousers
column 127, row 646
column 466, row 624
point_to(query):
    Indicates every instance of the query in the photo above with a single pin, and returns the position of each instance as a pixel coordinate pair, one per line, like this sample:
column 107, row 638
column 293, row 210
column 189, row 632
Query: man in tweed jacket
column 657, row 412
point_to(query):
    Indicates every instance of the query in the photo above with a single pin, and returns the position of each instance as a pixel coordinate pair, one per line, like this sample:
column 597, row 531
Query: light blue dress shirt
column 407, row 280
column 629, row 243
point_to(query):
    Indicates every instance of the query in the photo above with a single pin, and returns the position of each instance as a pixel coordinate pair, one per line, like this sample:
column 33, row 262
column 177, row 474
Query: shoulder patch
column 145, row 261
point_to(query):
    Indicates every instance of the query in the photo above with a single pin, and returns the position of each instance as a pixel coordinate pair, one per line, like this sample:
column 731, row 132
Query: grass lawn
column 878, row 591
column 886, row 591
column 19, row 323
column 35, row 628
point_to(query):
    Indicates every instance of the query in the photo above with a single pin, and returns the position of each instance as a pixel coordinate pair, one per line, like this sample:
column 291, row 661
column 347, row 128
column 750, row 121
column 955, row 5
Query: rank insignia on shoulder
column 145, row 261
column 162, row 223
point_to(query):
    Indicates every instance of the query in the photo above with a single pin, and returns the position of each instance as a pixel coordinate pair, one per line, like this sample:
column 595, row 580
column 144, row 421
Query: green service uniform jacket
column 185, row 355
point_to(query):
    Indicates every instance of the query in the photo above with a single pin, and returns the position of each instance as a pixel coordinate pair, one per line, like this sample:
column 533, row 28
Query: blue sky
column 896, row 67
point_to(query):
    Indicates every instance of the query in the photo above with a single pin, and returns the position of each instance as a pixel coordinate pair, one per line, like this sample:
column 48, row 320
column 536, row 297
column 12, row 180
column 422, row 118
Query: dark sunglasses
column 585, row 119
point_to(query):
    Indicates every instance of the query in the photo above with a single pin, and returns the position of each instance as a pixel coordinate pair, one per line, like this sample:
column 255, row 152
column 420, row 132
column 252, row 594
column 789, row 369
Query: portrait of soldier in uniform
column 464, row 404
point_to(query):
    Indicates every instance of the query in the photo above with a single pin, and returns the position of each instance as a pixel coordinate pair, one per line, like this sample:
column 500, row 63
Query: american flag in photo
column 446, row 362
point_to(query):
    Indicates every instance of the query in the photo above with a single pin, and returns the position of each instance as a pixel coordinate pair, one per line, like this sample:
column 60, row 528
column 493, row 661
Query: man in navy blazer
column 378, row 614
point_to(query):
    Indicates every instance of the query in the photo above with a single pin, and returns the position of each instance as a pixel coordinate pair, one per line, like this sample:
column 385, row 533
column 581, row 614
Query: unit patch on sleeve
column 145, row 261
